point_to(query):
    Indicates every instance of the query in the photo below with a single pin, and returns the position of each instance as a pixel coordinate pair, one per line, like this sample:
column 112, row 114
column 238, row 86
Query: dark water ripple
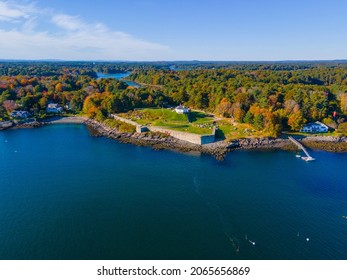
column 66, row 195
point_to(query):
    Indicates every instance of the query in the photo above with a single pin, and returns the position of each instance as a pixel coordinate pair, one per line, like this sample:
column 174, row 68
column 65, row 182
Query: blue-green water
column 119, row 76
column 67, row 195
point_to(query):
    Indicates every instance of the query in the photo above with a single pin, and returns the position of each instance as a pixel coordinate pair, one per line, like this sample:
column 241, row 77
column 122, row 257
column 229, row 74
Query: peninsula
column 206, row 107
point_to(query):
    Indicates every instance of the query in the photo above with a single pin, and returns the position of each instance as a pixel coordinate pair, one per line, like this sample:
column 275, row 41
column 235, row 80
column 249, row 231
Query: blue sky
column 173, row 30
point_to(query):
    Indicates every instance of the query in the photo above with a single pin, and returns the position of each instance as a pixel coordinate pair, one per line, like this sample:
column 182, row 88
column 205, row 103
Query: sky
column 152, row 30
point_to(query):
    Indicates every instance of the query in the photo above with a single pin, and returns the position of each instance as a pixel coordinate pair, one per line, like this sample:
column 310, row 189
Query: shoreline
column 218, row 149
column 67, row 120
column 53, row 120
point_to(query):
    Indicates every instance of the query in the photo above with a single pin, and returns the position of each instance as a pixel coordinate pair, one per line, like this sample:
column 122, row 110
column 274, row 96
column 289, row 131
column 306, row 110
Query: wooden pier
column 300, row 146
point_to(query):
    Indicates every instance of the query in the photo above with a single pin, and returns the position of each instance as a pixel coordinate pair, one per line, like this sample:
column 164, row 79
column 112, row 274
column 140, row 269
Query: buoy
column 307, row 239
column 252, row 242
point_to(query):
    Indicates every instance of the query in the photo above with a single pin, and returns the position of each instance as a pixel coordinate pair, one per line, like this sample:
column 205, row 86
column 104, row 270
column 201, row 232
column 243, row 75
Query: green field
column 200, row 123
column 230, row 130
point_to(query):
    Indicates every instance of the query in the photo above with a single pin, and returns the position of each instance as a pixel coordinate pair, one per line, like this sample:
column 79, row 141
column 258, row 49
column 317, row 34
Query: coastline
column 218, row 149
column 67, row 120
column 53, row 120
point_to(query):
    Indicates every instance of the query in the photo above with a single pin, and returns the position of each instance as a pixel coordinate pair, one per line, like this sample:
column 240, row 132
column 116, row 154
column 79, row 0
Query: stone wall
column 207, row 139
column 185, row 136
column 125, row 120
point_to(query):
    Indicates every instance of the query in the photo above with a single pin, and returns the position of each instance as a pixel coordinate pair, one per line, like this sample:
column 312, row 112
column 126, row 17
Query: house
column 54, row 108
column 181, row 110
column 316, row 127
column 20, row 114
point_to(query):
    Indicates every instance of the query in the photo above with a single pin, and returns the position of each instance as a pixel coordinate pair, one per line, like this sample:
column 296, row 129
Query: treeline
column 270, row 100
column 41, row 68
column 37, row 68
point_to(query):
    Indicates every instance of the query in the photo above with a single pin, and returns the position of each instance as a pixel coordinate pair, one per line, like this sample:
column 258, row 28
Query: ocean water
column 67, row 195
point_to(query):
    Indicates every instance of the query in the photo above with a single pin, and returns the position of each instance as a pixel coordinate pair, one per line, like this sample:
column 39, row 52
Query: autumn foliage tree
column 296, row 121
column 224, row 108
column 9, row 105
column 343, row 102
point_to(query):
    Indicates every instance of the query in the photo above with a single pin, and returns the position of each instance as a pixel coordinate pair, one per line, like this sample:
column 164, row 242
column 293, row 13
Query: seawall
column 185, row 136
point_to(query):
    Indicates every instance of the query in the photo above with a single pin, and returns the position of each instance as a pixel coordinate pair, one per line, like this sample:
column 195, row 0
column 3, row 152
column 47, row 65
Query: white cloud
column 10, row 11
column 68, row 22
column 73, row 38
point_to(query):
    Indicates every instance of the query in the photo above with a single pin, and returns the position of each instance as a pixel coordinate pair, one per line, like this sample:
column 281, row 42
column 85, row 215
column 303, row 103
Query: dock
column 300, row 146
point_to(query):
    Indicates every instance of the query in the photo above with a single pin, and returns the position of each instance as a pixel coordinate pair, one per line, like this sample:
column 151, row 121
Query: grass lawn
column 200, row 123
column 231, row 130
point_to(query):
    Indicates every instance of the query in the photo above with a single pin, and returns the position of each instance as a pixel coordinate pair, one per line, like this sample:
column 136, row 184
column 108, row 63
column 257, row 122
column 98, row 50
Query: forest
column 270, row 96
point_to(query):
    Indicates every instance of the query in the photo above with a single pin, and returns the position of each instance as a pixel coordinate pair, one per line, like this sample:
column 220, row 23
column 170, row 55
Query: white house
column 316, row 127
column 20, row 114
column 181, row 110
column 54, row 108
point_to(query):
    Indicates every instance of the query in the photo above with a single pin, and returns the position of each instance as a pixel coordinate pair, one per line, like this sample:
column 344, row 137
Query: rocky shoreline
column 219, row 149
column 157, row 141
column 326, row 143
column 32, row 124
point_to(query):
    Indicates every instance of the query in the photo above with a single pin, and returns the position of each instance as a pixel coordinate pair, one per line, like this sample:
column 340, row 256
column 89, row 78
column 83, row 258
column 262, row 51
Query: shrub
column 342, row 128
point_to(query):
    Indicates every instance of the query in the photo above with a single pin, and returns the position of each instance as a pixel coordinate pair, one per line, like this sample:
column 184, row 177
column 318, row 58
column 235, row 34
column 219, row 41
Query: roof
column 322, row 124
column 316, row 124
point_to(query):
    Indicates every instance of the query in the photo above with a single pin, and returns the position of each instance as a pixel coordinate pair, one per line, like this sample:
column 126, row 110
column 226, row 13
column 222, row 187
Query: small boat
column 308, row 158
column 298, row 156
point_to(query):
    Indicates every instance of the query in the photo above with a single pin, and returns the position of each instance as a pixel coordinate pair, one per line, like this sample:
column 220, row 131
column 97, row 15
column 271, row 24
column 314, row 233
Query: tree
column 330, row 122
column 249, row 118
column 259, row 122
column 291, row 106
column 9, row 105
column 224, row 108
column 43, row 102
column 343, row 128
column 59, row 87
column 296, row 121
column 343, row 102
column 108, row 103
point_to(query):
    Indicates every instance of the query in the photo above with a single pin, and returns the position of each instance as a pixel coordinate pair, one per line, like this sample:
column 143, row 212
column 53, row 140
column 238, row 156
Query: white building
column 54, row 108
column 20, row 114
column 316, row 127
column 181, row 110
